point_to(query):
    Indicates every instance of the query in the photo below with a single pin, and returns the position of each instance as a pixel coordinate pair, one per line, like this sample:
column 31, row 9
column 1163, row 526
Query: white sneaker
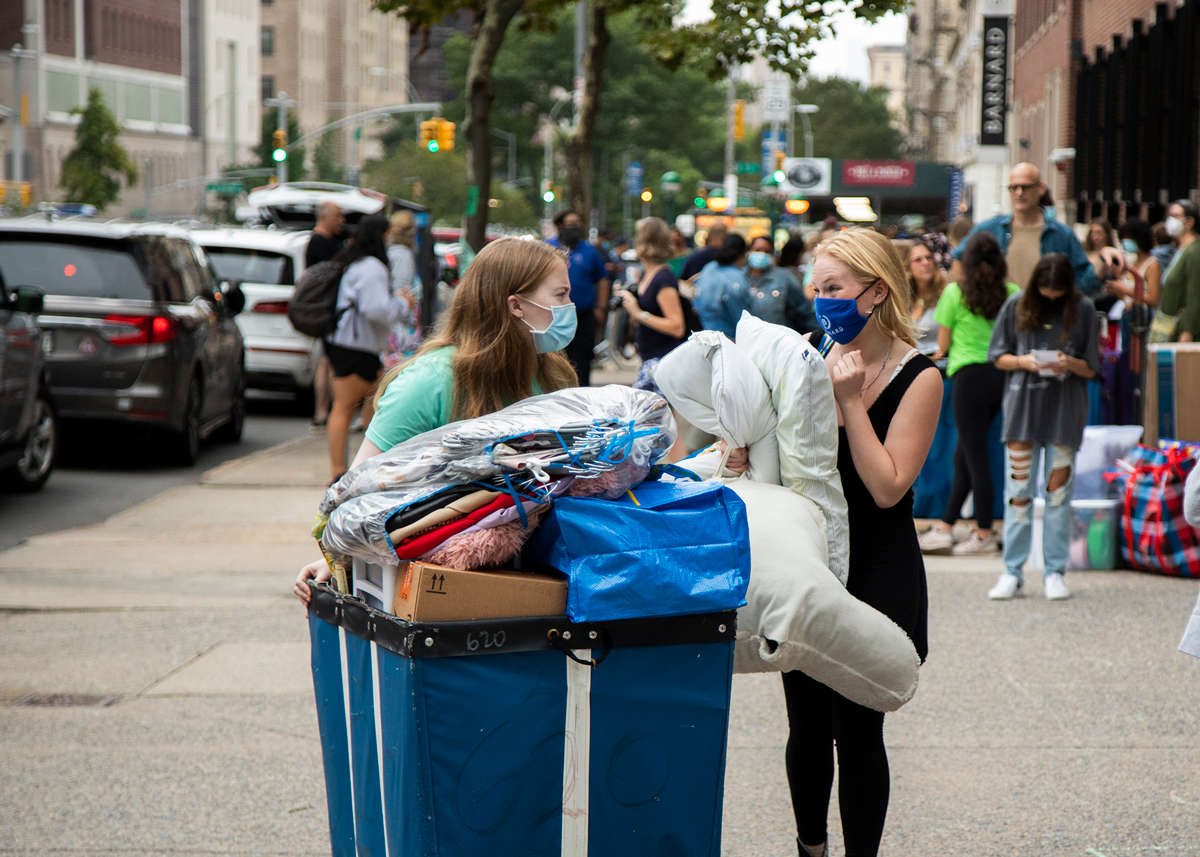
column 1006, row 587
column 1054, row 588
column 934, row 540
column 976, row 544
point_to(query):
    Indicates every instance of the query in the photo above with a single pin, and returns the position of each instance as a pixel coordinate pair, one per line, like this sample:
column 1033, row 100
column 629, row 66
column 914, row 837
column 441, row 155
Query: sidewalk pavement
column 155, row 698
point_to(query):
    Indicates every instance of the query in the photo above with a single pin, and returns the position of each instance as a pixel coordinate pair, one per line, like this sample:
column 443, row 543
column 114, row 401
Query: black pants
column 977, row 396
column 583, row 346
column 817, row 719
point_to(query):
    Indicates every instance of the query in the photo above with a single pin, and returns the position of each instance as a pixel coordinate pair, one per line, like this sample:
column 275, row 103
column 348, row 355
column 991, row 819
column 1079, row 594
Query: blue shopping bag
column 665, row 549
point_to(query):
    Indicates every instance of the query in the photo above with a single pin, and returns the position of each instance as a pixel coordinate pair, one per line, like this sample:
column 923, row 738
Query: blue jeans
column 1018, row 505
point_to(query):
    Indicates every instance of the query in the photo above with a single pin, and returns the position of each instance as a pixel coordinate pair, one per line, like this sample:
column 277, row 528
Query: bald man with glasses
column 1026, row 235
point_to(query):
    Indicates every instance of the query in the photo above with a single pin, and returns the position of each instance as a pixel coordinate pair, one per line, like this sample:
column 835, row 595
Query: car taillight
column 138, row 329
column 271, row 307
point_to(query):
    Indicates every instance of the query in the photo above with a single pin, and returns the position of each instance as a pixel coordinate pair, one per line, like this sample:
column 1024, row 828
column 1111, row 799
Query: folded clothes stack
column 468, row 495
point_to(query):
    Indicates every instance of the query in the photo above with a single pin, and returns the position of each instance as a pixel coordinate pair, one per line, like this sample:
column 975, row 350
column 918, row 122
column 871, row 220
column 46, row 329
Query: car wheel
column 231, row 431
column 37, row 460
column 185, row 441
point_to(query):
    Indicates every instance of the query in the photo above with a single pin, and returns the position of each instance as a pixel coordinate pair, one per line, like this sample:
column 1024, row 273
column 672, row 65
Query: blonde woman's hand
column 317, row 571
column 848, row 375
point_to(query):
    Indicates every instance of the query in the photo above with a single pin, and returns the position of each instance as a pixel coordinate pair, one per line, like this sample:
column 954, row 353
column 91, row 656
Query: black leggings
column 817, row 718
column 977, row 396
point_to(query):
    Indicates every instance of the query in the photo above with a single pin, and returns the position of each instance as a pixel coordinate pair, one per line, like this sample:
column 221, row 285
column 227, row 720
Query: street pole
column 547, row 157
column 21, row 109
column 581, row 27
column 281, row 171
column 148, row 182
column 731, row 183
column 232, row 102
column 626, row 206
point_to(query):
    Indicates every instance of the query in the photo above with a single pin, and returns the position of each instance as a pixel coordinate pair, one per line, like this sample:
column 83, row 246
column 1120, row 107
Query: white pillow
column 802, row 393
column 799, row 617
column 713, row 384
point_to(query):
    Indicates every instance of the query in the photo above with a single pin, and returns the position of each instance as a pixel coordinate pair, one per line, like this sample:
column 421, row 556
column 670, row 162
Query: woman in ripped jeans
column 1046, row 338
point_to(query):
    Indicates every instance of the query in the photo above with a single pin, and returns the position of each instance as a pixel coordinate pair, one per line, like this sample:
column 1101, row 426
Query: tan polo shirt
column 1024, row 250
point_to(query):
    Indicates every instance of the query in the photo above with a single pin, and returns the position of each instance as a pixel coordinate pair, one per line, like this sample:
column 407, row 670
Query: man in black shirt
column 326, row 237
column 703, row 255
column 324, row 244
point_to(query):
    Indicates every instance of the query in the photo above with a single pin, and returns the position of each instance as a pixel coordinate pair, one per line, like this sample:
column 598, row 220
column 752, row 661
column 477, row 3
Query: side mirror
column 27, row 300
column 235, row 298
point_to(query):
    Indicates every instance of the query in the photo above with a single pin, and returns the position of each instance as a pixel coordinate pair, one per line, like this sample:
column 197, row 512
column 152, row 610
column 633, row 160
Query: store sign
column 994, row 104
column 807, row 176
column 879, row 173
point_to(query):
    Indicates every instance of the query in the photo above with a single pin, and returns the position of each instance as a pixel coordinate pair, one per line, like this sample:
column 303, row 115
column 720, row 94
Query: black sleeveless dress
column 886, row 568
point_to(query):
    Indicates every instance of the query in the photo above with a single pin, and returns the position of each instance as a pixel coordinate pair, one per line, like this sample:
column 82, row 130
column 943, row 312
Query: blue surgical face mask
column 759, row 260
column 559, row 333
column 840, row 318
column 1129, row 245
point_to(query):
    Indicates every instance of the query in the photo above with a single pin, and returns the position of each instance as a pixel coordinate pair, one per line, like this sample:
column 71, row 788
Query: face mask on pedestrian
column 1129, row 246
column 570, row 235
column 1174, row 226
column 759, row 260
column 840, row 318
column 558, row 334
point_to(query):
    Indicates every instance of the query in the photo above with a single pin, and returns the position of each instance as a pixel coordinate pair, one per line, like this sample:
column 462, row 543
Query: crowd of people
column 1008, row 318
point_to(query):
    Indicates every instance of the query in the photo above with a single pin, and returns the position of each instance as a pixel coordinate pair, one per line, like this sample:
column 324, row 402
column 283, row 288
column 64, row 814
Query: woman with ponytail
column 965, row 316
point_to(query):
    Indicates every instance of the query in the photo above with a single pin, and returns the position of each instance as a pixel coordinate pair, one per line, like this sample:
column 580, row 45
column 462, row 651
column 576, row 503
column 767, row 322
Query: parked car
column 135, row 328
column 28, row 427
column 293, row 205
column 266, row 263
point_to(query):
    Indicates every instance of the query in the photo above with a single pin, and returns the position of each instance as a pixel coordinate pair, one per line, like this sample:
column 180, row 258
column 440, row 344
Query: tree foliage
column 92, row 171
column 853, row 121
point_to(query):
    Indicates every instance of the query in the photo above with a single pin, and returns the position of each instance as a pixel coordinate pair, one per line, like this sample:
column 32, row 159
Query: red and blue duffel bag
column 1154, row 535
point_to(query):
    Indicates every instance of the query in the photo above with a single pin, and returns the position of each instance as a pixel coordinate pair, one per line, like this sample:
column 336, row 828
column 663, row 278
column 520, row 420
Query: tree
column 852, row 121
column 325, row 164
column 92, row 171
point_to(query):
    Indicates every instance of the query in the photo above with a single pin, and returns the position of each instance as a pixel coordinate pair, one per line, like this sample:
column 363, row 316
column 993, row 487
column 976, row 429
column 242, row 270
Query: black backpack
column 313, row 308
column 691, row 318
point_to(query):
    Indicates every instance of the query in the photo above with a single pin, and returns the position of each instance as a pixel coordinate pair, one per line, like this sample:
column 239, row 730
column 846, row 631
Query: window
column 268, row 2
column 268, row 87
column 85, row 268
column 268, row 42
column 245, row 264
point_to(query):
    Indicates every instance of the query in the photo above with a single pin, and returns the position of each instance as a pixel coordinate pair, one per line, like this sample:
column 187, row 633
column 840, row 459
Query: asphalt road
column 102, row 472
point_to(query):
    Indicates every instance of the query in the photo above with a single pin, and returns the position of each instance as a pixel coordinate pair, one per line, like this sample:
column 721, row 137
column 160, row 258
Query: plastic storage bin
column 1095, row 534
column 498, row 738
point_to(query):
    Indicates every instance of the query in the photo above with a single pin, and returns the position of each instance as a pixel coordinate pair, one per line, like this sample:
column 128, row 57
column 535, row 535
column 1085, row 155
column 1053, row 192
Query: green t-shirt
column 970, row 332
column 419, row 399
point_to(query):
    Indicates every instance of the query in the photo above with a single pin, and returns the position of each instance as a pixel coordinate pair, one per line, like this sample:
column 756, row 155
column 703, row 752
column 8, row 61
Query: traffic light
column 779, row 175
column 429, row 134
column 739, row 120
column 647, row 195
column 547, row 192
column 701, row 198
column 445, row 135
column 279, row 140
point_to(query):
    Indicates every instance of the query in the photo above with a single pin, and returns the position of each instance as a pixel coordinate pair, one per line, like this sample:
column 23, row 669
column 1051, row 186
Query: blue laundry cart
column 521, row 738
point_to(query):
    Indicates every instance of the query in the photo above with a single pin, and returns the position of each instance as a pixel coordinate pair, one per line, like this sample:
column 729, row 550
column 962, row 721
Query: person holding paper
column 1046, row 338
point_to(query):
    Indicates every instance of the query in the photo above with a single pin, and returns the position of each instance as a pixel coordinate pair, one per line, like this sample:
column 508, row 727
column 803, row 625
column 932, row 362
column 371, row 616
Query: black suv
column 28, row 432
column 135, row 328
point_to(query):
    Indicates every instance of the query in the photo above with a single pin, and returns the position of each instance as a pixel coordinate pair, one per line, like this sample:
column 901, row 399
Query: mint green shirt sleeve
column 417, row 400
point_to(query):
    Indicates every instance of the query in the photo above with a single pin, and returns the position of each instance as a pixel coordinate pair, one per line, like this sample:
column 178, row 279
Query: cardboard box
column 1172, row 393
column 432, row 593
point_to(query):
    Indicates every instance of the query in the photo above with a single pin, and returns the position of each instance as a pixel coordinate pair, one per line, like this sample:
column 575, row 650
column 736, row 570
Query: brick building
column 1052, row 40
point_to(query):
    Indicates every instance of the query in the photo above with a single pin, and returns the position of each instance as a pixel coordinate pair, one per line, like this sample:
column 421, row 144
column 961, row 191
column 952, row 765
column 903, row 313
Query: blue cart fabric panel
column 498, row 738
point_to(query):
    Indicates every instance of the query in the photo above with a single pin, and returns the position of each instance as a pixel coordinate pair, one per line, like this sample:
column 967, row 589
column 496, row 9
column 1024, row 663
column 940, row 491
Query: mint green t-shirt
column 419, row 399
column 970, row 333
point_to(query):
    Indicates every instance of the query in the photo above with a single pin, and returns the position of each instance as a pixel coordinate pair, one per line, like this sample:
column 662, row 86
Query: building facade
column 224, row 73
column 889, row 71
column 335, row 58
column 934, row 29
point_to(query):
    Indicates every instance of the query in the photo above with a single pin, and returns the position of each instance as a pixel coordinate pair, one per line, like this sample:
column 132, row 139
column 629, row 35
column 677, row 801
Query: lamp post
column 511, row 140
column 281, row 102
column 804, row 110
column 548, row 155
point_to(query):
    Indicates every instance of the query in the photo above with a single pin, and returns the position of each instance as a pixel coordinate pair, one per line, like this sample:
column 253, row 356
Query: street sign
column 748, row 167
column 772, row 141
column 224, row 188
column 807, row 176
column 670, row 182
column 777, row 99
column 634, row 174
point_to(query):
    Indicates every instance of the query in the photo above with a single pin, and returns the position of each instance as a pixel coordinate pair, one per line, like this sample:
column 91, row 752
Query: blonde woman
column 405, row 335
column 512, row 315
column 656, row 307
column 888, row 395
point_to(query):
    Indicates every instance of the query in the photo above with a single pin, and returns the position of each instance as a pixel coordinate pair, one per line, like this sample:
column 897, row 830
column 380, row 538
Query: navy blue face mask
column 840, row 318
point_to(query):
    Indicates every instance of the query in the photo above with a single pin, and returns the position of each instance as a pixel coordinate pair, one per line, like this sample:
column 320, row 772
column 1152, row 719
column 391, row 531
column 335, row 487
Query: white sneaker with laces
column 934, row 540
column 1006, row 587
column 976, row 544
column 1054, row 588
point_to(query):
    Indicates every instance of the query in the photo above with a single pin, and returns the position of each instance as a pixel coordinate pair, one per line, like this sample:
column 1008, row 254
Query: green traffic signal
column 279, row 155
column 548, row 196
column 779, row 176
column 432, row 145
column 698, row 202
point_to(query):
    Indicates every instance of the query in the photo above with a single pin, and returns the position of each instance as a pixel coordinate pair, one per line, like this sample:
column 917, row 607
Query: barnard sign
column 994, row 112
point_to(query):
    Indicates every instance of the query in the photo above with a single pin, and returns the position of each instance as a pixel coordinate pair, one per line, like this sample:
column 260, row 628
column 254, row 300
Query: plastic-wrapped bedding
column 603, row 439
